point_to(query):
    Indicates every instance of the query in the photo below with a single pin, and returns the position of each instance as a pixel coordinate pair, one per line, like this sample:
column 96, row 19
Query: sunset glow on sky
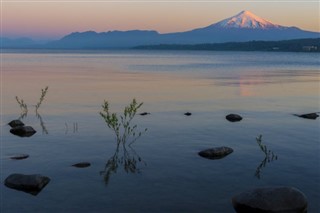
column 54, row 19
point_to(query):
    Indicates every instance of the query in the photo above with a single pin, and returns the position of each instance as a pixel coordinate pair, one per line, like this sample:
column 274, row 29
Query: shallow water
column 265, row 88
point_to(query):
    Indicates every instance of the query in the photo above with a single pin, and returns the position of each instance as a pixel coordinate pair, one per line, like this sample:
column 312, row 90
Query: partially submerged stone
column 144, row 113
column 82, row 165
column 15, row 123
column 271, row 200
column 233, row 117
column 23, row 131
column 312, row 116
column 216, row 153
column 19, row 156
column 32, row 184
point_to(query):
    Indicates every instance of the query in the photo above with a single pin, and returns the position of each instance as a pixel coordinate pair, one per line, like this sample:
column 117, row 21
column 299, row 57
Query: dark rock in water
column 271, row 199
column 82, row 165
column 19, row 157
column 312, row 116
column 32, row 184
column 233, row 117
column 23, row 131
column 188, row 113
column 145, row 113
column 15, row 123
column 216, row 153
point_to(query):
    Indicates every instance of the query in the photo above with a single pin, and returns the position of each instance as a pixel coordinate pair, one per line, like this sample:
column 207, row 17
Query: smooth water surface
column 165, row 173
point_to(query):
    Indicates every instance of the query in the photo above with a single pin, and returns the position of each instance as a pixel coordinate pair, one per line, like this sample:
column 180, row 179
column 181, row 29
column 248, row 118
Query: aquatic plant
column 24, row 108
column 43, row 94
column 23, row 105
column 121, row 125
column 269, row 156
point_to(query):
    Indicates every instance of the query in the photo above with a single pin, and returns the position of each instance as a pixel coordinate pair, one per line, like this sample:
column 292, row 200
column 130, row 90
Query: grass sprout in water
column 269, row 156
column 23, row 105
column 24, row 108
column 121, row 125
column 43, row 94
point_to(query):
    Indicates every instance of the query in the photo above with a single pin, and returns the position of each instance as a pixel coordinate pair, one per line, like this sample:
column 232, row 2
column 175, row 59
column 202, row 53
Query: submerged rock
column 15, row 123
column 312, row 116
column 19, row 156
column 145, row 113
column 82, row 165
column 32, row 184
column 23, row 131
column 271, row 199
column 188, row 113
column 216, row 153
column 233, row 117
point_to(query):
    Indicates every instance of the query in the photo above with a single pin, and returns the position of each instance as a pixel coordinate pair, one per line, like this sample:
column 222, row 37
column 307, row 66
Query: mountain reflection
column 124, row 157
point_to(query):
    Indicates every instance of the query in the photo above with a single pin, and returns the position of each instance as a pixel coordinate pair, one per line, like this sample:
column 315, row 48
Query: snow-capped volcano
column 246, row 19
column 242, row 27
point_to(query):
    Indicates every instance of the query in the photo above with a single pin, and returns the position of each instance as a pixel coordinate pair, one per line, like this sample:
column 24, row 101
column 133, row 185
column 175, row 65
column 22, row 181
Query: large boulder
column 233, row 117
column 15, row 123
column 32, row 184
column 23, row 131
column 216, row 153
column 271, row 200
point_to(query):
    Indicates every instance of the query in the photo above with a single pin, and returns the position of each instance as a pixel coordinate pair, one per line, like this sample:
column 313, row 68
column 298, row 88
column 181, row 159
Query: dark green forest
column 296, row 45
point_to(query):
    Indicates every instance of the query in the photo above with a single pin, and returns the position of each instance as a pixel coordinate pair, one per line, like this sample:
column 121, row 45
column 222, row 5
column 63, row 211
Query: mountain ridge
column 242, row 27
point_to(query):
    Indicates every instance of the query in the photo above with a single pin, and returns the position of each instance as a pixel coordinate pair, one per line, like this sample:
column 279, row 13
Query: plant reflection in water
column 269, row 157
column 126, row 158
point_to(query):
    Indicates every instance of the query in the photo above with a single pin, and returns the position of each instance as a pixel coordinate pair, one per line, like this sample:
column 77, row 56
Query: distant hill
column 17, row 43
column 296, row 45
column 105, row 40
column 242, row 27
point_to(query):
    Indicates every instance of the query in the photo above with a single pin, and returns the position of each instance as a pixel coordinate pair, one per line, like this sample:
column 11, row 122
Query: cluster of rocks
column 18, row 128
column 33, row 183
column 263, row 200
column 237, row 118
column 259, row 200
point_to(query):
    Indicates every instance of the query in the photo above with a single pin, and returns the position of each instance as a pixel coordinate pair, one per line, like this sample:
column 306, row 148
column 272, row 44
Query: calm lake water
column 166, row 173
